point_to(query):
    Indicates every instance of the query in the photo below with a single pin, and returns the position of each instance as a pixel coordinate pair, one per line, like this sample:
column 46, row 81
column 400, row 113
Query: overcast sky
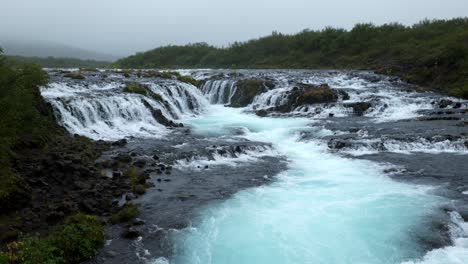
column 125, row 26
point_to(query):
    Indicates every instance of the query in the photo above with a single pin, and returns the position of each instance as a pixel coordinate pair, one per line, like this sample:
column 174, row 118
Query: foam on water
column 103, row 111
column 323, row 209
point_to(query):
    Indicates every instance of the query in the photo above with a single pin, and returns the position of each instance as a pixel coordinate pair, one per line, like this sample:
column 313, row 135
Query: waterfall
column 104, row 111
column 219, row 91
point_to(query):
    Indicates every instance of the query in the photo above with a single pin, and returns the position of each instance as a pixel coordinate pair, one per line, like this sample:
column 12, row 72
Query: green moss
column 126, row 73
column 126, row 214
column 157, row 97
column 166, row 75
column 89, row 69
column 188, row 79
column 135, row 88
column 139, row 189
column 137, row 180
column 75, row 76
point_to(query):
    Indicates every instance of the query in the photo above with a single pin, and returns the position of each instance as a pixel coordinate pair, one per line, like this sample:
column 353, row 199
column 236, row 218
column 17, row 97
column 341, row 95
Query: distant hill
column 52, row 62
column 46, row 49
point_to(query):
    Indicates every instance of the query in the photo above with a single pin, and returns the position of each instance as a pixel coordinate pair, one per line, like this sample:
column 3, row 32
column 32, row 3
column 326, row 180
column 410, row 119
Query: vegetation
column 126, row 214
column 52, row 62
column 432, row 53
column 135, row 88
column 137, row 180
column 188, row 79
column 75, row 76
column 25, row 122
column 75, row 241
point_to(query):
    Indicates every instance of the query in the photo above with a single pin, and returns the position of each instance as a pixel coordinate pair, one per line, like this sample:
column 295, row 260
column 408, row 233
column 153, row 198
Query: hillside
column 432, row 53
column 50, row 49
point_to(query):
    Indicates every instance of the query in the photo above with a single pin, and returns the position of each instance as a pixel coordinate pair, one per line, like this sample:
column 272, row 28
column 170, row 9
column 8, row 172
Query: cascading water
column 326, row 207
column 219, row 91
column 104, row 111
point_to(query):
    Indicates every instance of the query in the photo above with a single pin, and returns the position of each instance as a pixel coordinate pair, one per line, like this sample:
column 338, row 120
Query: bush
column 135, row 88
column 33, row 250
column 78, row 238
column 75, row 241
column 126, row 214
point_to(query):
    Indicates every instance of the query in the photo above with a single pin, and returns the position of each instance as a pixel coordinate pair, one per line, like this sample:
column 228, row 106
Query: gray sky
column 126, row 26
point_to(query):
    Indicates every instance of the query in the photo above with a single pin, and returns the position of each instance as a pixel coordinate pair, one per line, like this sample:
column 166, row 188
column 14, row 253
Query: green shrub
column 14, row 192
column 78, row 238
column 135, row 88
column 74, row 241
column 75, row 76
column 126, row 214
column 33, row 250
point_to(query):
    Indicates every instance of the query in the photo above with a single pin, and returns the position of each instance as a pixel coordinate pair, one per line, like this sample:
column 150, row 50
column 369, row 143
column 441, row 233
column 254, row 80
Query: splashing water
column 323, row 209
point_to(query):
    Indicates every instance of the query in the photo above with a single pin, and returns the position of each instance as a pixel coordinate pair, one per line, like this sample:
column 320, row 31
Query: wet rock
column 120, row 143
column 123, row 157
column 138, row 222
column 337, row 144
column 457, row 105
column 247, row 90
column 139, row 163
column 132, row 233
column 359, row 108
column 111, row 253
column 444, row 103
column 155, row 157
column 159, row 117
column 261, row 113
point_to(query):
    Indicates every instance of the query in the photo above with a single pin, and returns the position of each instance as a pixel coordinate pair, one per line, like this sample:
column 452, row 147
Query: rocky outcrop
column 308, row 94
column 247, row 90
column 160, row 118
column 359, row 108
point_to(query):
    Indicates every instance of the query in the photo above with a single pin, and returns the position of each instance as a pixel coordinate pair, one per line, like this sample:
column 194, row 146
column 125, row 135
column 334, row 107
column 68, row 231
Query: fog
column 123, row 27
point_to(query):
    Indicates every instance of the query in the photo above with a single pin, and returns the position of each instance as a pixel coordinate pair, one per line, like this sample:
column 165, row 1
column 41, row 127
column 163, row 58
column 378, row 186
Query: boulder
column 131, row 233
column 247, row 90
column 359, row 108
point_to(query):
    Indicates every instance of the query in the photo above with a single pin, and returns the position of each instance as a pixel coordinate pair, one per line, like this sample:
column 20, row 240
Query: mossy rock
column 135, row 88
column 316, row 94
column 247, row 90
column 75, row 76
column 126, row 214
column 188, row 79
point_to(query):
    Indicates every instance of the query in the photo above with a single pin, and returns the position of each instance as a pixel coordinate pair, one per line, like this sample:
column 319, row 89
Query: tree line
column 431, row 53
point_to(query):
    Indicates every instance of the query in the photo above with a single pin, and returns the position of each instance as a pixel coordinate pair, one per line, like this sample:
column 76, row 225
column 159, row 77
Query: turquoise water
column 323, row 209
